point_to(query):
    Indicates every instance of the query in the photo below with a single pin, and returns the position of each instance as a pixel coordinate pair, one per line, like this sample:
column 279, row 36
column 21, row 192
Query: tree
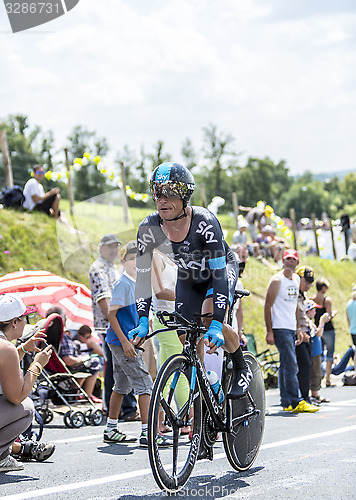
column 306, row 196
column 27, row 147
column 220, row 157
column 189, row 154
column 262, row 179
column 158, row 156
column 348, row 188
column 88, row 180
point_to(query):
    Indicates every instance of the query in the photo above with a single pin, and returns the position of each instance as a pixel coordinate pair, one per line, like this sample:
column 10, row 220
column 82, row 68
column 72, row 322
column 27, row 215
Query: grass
column 34, row 241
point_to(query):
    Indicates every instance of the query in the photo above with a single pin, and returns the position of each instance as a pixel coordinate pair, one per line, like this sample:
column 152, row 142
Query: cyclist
column 207, row 270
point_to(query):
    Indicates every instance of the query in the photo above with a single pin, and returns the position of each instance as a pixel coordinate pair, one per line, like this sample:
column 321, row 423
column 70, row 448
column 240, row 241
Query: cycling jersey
column 206, row 265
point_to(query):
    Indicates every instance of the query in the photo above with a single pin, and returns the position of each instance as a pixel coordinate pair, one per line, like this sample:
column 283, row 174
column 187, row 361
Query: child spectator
column 315, row 333
column 86, row 343
column 130, row 371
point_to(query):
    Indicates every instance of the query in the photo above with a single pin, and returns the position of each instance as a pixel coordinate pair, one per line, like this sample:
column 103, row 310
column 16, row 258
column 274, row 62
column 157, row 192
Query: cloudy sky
column 278, row 75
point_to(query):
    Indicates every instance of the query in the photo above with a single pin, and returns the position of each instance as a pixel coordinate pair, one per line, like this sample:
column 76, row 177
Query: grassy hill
column 34, row 241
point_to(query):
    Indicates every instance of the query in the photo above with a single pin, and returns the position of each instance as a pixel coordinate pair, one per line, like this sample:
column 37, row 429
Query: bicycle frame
column 220, row 413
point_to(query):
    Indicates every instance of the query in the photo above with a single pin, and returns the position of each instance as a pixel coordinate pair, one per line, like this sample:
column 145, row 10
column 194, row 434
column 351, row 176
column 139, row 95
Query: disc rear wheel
column 243, row 442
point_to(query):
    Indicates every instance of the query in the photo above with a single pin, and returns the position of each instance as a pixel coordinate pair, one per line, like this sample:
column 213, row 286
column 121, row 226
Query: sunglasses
column 173, row 189
column 39, row 172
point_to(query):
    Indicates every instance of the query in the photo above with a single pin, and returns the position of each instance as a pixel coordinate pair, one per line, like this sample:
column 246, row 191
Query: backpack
column 349, row 378
column 12, row 197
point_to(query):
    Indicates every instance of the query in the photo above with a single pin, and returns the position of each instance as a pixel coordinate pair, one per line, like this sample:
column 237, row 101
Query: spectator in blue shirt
column 129, row 369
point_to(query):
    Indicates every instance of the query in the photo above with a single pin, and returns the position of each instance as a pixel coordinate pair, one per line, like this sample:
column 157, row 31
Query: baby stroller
column 57, row 384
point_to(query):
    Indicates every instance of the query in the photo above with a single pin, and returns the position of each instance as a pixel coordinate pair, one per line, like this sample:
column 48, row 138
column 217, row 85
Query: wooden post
column 294, row 226
column 203, row 196
column 124, row 200
column 316, row 236
column 331, row 224
column 7, row 162
column 70, row 185
column 236, row 208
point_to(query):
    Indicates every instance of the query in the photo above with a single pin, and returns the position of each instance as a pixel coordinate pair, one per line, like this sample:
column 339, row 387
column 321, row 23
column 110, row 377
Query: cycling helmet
column 172, row 179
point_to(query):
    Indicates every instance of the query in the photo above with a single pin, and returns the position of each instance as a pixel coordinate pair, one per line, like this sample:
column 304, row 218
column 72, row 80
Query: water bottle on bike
column 214, row 382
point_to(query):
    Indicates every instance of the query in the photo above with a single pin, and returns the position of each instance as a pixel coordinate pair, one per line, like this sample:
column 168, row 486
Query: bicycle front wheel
column 243, row 442
column 181, row 407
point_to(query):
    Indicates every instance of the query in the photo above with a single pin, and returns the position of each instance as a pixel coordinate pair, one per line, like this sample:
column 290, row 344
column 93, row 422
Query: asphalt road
column 304, row 455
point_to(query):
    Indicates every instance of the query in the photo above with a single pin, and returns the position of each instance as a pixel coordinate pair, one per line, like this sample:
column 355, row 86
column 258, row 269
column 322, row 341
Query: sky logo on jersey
column 26, row 14
column 163, row 172
column 203, row 228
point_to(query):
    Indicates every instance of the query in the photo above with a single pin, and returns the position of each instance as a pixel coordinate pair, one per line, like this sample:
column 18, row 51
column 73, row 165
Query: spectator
column 37, row 199
column 240, row 235
column 102, row 276
column 315, row 334
column 280, row 318
column 304, row 349
column 342, row 367
column 328, row 337
column 351, row 316
column 274, row 246
column 351, row 252
column 68, row 351
column 130, row 371
column 16, row 408
column 257, row 215
column 164, row 277
column 317, row 349
column 345, row 225
column 86, row 343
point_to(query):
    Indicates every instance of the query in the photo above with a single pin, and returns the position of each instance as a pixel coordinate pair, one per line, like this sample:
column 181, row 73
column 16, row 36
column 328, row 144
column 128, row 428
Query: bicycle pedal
column 205, row 453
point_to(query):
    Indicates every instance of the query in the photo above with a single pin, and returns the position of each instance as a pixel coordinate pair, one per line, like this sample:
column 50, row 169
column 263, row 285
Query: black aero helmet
column 173, row 179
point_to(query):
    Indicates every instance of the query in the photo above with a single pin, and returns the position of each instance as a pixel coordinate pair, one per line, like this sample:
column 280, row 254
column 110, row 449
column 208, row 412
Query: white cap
column 12, row 306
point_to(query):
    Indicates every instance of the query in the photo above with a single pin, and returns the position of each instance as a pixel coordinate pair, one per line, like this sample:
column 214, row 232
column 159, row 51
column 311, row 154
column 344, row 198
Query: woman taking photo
column 16, row 408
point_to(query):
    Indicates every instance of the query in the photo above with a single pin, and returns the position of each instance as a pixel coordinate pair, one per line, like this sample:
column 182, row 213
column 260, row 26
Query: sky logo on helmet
column 163, row 172
column 30, row 13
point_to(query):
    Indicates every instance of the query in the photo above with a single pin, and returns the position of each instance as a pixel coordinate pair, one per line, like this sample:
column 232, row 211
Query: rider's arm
column 215, row 248
column 143, row 288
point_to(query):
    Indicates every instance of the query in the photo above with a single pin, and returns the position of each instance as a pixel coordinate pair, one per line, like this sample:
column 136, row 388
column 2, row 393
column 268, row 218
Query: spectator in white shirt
column 37, row 199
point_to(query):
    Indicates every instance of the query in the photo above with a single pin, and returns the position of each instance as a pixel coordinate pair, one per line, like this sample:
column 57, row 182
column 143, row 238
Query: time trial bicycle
column 241, row 421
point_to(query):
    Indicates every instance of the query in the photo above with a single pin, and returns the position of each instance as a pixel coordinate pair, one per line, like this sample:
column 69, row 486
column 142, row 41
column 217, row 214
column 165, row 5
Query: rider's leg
column 242, row 375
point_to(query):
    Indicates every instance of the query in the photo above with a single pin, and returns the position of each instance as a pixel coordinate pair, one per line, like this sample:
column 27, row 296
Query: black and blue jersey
column 206, row 264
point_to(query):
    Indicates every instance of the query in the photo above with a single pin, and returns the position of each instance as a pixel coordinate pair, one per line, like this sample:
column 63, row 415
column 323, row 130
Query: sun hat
column 310, row 304
column 12, row 306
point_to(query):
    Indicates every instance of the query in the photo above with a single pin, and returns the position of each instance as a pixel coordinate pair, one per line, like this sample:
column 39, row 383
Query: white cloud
column 139, row 72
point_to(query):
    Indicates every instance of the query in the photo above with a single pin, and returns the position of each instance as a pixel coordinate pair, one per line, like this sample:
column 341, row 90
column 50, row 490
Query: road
column 310, row 455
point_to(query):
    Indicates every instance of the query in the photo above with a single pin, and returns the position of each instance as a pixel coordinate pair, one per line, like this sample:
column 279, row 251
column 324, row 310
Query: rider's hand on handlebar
column 140, row 332
column 214, row 337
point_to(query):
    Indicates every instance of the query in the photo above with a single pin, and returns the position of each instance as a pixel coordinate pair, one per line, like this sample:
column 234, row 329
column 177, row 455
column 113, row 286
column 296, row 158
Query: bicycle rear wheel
column 243, row 442
column 173, row 466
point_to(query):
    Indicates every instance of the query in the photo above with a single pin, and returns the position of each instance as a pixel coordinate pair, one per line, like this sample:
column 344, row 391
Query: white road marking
column 93, row 437
column 145, row 472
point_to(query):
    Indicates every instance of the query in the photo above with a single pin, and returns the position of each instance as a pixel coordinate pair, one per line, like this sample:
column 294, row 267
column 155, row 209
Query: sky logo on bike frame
column 26, row 14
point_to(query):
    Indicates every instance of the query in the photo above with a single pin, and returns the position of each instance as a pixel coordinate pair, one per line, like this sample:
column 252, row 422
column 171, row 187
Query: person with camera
column 16, row 408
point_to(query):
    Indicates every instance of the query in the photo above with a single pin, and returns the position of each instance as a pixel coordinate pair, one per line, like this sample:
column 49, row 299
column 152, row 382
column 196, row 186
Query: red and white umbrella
column 45, row 290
